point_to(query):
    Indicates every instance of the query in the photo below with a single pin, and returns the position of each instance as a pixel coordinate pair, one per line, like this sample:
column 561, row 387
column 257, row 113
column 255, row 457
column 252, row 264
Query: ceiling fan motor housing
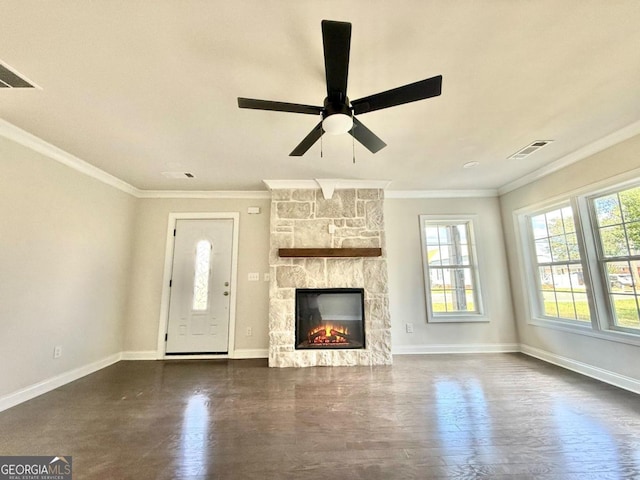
column 337, row 117
column 338, row 113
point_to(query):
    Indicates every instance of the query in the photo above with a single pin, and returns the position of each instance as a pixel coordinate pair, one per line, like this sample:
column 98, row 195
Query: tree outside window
column 562, row 292
column 582, row 262
column 451, row 278
column 617, row 218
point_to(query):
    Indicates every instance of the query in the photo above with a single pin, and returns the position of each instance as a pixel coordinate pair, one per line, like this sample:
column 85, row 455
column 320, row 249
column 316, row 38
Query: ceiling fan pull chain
column 353, row 139
column 353, row 148
column 321, row 136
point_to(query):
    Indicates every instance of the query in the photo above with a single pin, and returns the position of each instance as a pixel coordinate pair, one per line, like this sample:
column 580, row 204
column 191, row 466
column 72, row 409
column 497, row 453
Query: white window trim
column 586, row 205
column 579, row 200
column 532, row 265
column 454, row 317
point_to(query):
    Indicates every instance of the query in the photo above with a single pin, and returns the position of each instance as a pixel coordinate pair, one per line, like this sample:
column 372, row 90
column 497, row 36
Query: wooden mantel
column 330, row 252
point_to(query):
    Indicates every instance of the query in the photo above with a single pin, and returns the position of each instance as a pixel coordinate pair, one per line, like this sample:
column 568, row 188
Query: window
column 617, row 227
column 451, row 274
column 561, row 290
column 581, row 262
column 201, row 277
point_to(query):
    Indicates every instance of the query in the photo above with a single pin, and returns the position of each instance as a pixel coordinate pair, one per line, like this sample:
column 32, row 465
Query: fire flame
column 331, row 333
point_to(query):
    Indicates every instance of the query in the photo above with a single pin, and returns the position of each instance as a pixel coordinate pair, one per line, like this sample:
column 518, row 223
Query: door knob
column 226, row 294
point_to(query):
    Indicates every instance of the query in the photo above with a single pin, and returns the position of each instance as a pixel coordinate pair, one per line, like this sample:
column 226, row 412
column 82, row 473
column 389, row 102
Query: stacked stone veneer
column 301, row 218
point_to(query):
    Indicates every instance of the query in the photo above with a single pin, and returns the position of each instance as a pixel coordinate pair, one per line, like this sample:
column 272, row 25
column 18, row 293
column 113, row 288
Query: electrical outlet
column 249, row 331
column 57, row 351
column 409, row 327
column 254, row 277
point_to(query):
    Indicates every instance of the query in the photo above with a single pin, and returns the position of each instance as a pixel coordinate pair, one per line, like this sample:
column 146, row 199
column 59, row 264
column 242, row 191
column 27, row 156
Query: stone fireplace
column 350, row 221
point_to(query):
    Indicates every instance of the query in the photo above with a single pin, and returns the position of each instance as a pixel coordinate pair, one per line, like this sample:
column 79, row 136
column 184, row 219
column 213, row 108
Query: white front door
column 200, row 287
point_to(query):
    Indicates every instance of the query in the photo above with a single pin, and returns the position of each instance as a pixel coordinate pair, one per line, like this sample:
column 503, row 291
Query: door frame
column 168, row 272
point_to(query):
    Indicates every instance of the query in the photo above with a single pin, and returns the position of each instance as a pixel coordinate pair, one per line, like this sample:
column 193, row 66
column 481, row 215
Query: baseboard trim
column 141, row 355
column 601, row 374
column 243, row 353
column 606, row 376
column 37, row 389
column 443, row 348
column 238, row 354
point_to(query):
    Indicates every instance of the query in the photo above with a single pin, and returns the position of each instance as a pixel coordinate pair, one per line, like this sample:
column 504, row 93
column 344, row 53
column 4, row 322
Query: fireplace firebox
column 330, row 318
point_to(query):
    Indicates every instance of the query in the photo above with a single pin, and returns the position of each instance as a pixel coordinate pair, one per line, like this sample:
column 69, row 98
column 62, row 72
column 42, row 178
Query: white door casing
column 199, row 301
column 205, row 326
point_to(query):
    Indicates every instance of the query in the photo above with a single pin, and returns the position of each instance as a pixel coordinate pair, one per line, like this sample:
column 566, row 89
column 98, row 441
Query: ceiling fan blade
column 366, row 137
column 336, row 39
column 431, row 87
column 308, row 141
column 278, row 106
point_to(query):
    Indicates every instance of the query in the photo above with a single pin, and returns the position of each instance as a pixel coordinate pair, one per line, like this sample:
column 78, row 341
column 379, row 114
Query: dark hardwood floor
column 443, row 416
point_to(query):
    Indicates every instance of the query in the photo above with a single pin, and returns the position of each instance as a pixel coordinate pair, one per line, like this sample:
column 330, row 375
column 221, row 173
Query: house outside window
column 559, row 277
column 616, row 218
column 450, row 269
column 580, row 261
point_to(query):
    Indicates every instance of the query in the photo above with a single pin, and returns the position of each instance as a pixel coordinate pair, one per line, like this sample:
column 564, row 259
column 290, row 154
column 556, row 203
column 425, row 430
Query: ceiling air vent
column 178, row 175
column 529, row 149
column 10, row 79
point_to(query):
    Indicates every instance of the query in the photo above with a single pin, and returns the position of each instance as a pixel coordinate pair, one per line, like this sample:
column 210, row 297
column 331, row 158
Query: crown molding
column 26, row 139
column 325, row 183
column 22, row 137
column 440, row 193
column 253, row 194
column 588, row 150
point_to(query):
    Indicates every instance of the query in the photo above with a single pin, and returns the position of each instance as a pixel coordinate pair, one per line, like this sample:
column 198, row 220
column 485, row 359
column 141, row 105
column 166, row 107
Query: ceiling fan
column 338, row 113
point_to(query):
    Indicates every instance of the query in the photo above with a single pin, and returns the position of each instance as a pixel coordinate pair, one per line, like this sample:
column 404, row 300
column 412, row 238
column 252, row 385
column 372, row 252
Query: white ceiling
column 137, row 88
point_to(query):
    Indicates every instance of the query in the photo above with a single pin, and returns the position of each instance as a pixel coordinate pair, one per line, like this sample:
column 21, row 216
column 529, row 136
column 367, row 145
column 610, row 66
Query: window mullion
column 593, row 270
column 451, row 276
column 599, row 273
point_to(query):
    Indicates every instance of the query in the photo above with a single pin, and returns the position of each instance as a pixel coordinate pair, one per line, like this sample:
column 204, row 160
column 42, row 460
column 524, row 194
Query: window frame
column 533, row 288
column 600, row 260
column 479, row 315
column 602, row 325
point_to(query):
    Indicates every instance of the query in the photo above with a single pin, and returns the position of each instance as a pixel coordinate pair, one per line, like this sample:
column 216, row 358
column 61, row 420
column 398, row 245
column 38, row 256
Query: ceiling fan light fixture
column 339, row 115
column 337, row 124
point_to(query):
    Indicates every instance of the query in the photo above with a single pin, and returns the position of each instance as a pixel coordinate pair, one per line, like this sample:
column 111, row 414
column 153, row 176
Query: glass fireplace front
column 329, row 318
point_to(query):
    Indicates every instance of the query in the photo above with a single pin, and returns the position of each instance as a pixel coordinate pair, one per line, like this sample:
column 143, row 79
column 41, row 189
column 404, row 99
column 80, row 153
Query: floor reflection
column 594, row 438
column 195, row 427
column 463, row 419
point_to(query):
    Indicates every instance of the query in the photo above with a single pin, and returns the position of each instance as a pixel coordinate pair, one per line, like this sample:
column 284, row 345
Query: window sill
column 459, row 319
column 609, row 335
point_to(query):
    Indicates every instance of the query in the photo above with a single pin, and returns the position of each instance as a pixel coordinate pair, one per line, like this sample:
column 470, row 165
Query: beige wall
column 82, row 267
column 147, row 269
column 64, row 256
column 406, row 282
column 616, row 357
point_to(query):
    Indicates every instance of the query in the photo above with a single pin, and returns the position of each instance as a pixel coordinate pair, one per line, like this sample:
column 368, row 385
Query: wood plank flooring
column 497, row 416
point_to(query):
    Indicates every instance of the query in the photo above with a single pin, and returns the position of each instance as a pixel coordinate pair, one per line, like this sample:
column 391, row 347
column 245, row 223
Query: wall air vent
column 11, row 79
column 178, row 175
column 529, row 149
